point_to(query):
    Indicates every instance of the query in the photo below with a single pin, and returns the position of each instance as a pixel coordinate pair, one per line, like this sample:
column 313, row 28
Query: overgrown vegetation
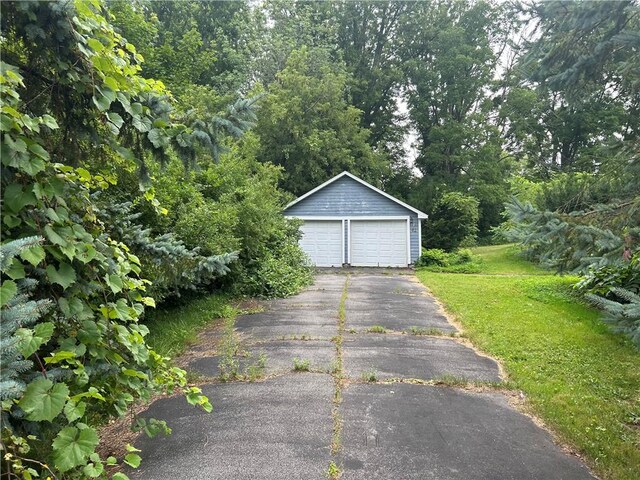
column 459, row 261
column 580, row 378
column 85, row 241
column 147, row 152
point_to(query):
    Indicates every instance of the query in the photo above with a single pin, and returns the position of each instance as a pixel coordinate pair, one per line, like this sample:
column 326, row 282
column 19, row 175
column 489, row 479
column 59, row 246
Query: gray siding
column 347, row 198
column 414, row 227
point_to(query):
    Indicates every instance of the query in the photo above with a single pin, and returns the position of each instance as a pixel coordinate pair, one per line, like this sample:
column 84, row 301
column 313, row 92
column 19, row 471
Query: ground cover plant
column 581, row 379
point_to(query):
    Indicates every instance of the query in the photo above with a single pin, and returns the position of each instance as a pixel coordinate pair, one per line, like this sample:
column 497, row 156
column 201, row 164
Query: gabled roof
column 359, row 180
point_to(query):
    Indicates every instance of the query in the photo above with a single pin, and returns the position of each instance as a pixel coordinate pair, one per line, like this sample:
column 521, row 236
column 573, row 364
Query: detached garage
column 350, row 222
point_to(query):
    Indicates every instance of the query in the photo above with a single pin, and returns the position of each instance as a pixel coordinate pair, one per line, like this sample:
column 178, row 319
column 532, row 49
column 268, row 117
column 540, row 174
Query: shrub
column 601, row 281
column 279, row 274
column 435, row 257
column 454, row 220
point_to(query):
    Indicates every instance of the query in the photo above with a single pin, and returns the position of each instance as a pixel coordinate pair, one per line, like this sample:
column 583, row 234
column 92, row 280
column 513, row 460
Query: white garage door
column 378, row 243
column 322, row 240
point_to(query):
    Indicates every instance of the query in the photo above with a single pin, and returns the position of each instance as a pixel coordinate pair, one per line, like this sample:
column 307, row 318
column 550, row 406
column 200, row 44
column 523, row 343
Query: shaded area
column 288, row 324
column 425, row 358
column 421, row 432
column 279, row 354
column 274, row 429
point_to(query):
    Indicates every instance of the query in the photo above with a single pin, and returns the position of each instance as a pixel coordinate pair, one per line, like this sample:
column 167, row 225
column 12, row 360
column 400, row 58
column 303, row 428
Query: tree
column 190, row 42
column 454, row 220
column 307, row 127
column 72, row 96
column 450, row 52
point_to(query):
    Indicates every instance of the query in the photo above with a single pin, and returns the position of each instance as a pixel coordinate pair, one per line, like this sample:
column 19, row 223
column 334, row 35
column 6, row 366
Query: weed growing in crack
column 301, row 365
column 370, row 375
column 334, row 472
column 425, row 331
column 377, row 329
column 451, row 381
column 256, row 370
column 229, row 365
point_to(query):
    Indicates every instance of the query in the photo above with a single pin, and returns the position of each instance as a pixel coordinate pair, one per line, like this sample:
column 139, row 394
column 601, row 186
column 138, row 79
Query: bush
column 454, row 220
column 600, row 281
column 281, row 273
column 461, row 261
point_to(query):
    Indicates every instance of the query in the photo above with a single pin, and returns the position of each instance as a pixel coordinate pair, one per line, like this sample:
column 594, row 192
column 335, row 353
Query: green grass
column 171, row 330
column 505, row 260
column 581, row 379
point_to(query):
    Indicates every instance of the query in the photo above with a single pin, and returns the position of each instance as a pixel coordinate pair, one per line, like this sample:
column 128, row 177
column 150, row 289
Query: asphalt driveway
column 361, row 371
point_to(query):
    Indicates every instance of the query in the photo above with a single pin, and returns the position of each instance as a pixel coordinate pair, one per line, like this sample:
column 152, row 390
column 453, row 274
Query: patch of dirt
column 248, row 306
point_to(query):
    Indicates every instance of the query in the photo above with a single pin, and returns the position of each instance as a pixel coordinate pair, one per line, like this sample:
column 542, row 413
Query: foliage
column 20, row 337
column 234, row 205
column 91, row 359
column 171, row 267
column 578, row 377
column 600, row 281
column 614, row 289
column 308, row 128
column 438, row 257
column 454, row 219
column 190, row 43
column 460, row 261
column 283, row 273
column 450, row 56
column 623, row 314
column 575, row 241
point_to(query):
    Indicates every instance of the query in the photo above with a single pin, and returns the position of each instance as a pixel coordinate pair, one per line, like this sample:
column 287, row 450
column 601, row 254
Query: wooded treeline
column 148, row 148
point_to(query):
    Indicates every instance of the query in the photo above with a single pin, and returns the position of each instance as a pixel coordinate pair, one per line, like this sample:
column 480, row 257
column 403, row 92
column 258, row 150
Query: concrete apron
column 406, row 424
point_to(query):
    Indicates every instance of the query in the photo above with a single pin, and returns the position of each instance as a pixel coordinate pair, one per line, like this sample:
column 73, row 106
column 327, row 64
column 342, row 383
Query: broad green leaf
column 141, row 123
column 49, row 121
column 89, row 332
column 64, row 276
column 73, row 446
column 37, row 150
column 132, row 459
column 32, row 165
column 74, row 410
column 122, row 309
column 95, row 44
column 15, row 198
column 32, row 339
column 149, row 301
column 59, row 356
column 93, row 470
column 7, row 291
column 84, row 174
column 114, row 282
column 54, row 237
column 34, row 255
column 119, row 476
column 115, row 118
column 16, row 270
column 101, row 102
column 86, row 253
column 43, row 400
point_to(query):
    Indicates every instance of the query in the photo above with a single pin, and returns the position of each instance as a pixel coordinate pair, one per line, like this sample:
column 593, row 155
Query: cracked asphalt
column 413, row 403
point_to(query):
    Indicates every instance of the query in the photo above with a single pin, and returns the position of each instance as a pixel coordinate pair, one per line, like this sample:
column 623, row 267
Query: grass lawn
column 171, row 330
column 580, row 379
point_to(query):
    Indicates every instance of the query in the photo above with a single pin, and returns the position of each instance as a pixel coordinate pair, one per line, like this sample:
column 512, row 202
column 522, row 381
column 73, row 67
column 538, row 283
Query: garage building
column 350, row 222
